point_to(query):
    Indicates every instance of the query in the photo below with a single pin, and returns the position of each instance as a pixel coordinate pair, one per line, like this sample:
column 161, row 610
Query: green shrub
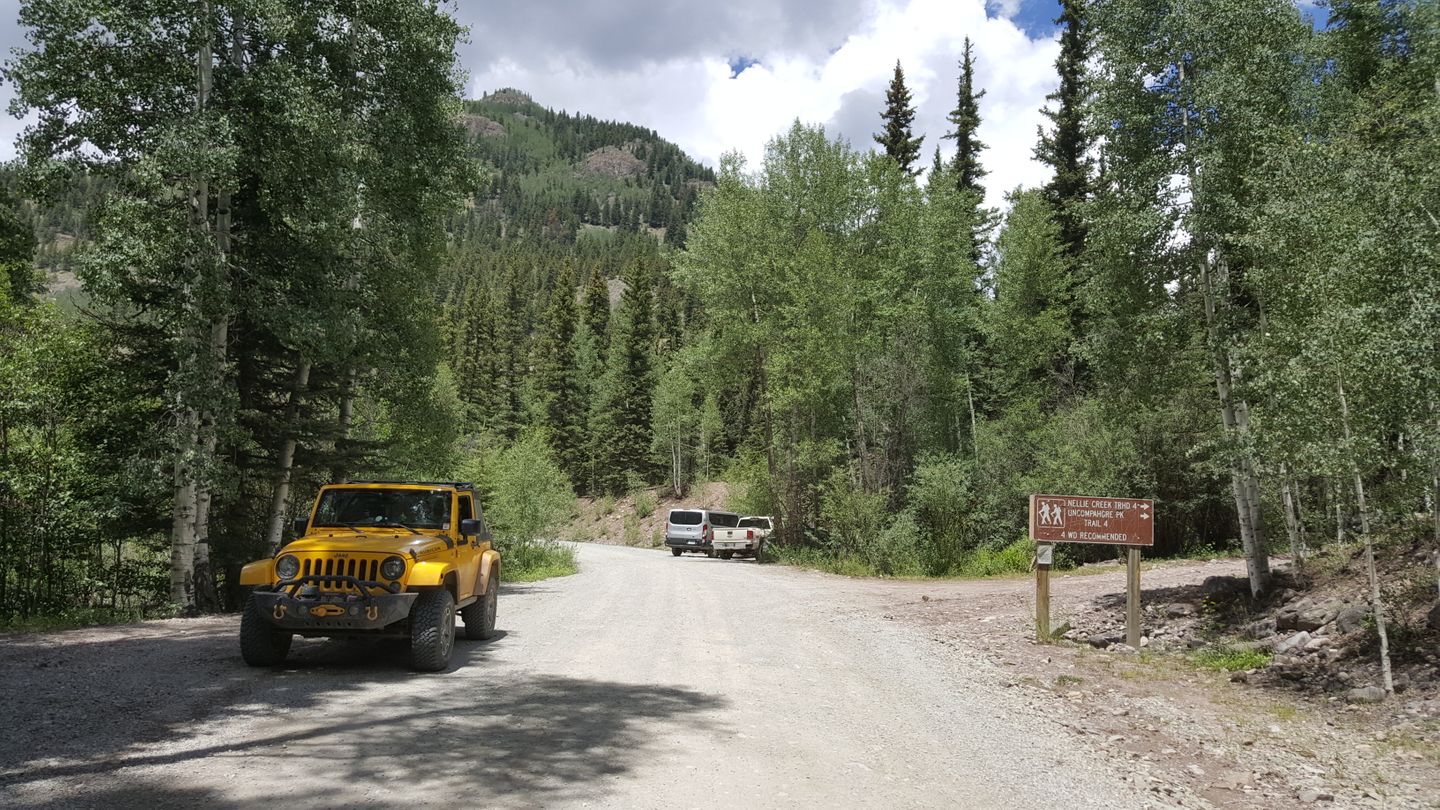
column 856, row 519
column 532, row 560
column 632, row 531
column 988, row 562
column 645, row 503
column 528, row 494
column 751, row 492
column 957, row 512
column 1231, row 659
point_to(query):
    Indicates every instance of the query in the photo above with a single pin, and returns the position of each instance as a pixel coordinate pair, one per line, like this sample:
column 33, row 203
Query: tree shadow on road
column 343, row 721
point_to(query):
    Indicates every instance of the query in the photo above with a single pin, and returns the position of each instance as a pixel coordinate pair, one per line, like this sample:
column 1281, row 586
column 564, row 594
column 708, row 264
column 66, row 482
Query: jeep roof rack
column 454, row 484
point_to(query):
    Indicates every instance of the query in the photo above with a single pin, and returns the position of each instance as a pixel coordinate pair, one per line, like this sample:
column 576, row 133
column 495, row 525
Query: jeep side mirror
column 469, row 527
column 299, row 525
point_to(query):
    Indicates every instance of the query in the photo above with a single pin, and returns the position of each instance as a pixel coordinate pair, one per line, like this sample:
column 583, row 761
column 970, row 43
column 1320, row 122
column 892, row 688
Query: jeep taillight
column 749, row 534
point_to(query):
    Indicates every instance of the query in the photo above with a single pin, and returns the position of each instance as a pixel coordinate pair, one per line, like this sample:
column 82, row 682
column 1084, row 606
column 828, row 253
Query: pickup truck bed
column 744, row 540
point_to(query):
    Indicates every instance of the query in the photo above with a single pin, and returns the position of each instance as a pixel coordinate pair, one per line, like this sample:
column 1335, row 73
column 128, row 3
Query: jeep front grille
column 367, row 569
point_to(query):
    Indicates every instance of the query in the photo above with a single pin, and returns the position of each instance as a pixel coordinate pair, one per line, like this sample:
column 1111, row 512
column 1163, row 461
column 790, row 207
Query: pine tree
column 623, row 427
column 597, row 312
column 899, row 114
column 558, row 378
column 1066, row 148
column 17, row 247
column 965, row 119
column 965, row 166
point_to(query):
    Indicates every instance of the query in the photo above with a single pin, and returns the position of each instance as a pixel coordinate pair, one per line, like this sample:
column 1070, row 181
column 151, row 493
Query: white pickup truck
column 747, row 539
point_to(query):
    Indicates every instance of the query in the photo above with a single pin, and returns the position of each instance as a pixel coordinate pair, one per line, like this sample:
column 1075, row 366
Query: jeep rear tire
column 675, row 552
column 432, row 630
column 262, row 644
column 479, row 616
column 725, row 555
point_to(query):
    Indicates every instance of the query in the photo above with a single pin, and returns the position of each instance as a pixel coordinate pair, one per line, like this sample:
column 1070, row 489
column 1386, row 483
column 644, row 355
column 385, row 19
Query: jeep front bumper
column 331, row 611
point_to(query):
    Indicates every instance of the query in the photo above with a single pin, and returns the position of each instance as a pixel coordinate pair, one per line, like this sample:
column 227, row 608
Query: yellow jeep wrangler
column 377, row 558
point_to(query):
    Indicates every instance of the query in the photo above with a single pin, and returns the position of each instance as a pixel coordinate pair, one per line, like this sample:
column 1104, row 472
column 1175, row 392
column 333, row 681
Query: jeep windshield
column 384, row 508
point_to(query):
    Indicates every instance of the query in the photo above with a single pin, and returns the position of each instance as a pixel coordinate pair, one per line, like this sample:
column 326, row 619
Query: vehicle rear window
column 754, row 523
column 726, row 520
column 682, row 517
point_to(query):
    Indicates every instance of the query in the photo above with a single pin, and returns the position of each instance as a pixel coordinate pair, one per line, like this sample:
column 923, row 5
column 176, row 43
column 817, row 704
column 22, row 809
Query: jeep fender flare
column 431, row 575
column 489, row 561
column 260, row 572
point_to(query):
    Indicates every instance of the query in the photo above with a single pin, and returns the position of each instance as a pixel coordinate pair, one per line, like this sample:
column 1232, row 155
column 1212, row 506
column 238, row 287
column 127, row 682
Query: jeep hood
column 380, row 541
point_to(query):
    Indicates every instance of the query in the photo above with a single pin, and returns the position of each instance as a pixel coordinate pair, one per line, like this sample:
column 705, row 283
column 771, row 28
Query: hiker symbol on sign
column 1052, row 513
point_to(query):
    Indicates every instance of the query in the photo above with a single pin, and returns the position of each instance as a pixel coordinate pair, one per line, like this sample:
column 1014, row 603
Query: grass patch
column 1230, row 659
column 82, row 617
column 537, row 560
column 1068, row 680
column 820, row 560
column 1011, row 560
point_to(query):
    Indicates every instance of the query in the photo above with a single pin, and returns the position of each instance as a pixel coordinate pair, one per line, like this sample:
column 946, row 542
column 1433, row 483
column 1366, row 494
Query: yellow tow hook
column 279, row 612
column 372, row 613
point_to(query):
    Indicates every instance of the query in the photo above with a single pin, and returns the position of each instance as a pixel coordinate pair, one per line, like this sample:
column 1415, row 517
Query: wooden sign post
column 1128, row 522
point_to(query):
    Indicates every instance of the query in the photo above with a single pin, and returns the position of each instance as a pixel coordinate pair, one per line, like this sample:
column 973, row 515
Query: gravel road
column 643, row 681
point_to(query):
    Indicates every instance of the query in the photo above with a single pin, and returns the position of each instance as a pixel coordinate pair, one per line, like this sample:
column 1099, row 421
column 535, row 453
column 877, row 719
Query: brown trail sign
column 1126, row 522
column 1075, row 519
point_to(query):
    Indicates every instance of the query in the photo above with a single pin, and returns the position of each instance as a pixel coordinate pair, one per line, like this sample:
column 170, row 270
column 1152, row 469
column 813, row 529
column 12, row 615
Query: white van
column 694, row 529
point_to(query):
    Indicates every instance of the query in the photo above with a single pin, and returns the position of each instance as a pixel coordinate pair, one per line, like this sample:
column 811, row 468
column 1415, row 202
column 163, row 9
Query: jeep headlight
column 392, row 568
column 287, row 567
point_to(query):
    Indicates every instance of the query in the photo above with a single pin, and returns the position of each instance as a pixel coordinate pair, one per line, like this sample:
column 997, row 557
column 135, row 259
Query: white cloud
column 822, row 61
column 692, row 99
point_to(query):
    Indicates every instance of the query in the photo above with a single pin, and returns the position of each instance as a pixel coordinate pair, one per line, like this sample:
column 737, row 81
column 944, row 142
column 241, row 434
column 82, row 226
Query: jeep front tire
column 479, row 616
column 262, row 644
column 432, row 630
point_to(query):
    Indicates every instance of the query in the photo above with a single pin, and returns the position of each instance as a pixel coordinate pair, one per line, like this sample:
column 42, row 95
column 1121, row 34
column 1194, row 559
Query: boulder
column 1350, row 619
column 1224, row 587
column 1433, row 620
column 1365, row 694
column 1308, row 616
column 1264, row 628
column 1293, row 644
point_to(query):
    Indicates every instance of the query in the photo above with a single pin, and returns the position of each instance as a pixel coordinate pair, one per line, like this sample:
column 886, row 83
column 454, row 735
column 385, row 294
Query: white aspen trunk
column 1292, row 521
column 1243, row 485
column 218, row 338
column 182, row 513
column 1339, row 510
column 285, row 461
column 185, row 508
column 1377, row 606
column 205, row 595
